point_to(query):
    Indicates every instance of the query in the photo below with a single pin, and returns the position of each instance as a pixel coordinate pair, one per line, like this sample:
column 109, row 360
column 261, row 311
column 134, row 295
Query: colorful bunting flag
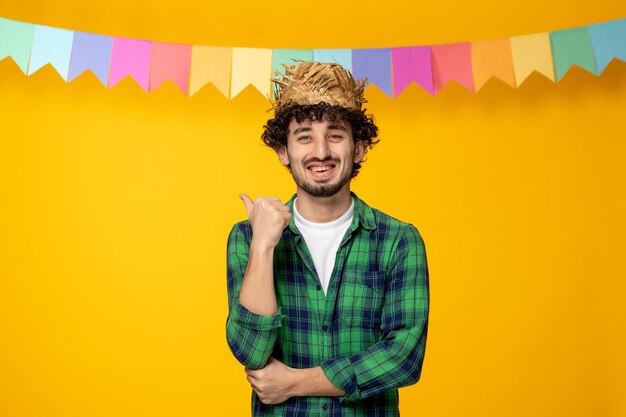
column 130, row 57
column 492, row 59
column 251, row 66
column 170, row 61
column 289, row 57
column 16, row 39
column 91, row 52
column 375, row 65
column 572, row 47
column 452, row 62
column 608, row 41
column 51, row 46
column 342, row 57
column 210, row 64
column 412, row 63
column 532, row 53
column 230, row 70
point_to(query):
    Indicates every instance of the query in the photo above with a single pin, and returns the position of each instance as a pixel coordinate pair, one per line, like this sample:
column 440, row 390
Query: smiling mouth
column 321, row 168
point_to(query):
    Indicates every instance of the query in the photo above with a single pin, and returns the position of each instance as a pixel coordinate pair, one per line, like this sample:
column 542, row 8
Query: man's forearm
column 313, row 382
column 257, row 288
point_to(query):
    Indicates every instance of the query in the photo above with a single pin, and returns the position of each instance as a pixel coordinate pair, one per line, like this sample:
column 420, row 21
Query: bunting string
column 231, row 69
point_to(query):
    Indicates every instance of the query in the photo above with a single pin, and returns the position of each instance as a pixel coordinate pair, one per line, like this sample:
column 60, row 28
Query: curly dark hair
column 276, row 130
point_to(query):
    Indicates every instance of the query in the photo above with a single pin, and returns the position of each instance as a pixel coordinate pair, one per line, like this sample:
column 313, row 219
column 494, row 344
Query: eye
column 335, row 137
column 304, row 138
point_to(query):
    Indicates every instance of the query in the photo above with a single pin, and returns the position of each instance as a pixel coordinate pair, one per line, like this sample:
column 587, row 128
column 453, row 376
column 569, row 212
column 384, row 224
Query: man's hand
column 272, row 384
column 268, row 218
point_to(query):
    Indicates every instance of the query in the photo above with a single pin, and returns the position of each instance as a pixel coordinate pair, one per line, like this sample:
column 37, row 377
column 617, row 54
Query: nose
column 322, row 150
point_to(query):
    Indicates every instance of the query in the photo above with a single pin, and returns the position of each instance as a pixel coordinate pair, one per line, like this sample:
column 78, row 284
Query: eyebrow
column 329, row 127
column 337, row 127
column 302, row 129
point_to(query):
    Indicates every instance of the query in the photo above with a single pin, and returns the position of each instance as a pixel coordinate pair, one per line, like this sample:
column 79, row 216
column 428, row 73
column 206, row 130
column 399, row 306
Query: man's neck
column 323, row 209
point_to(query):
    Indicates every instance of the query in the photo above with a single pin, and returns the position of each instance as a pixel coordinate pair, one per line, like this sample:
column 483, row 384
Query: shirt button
column 324, row 327
column 318, row 287
column 324, row 406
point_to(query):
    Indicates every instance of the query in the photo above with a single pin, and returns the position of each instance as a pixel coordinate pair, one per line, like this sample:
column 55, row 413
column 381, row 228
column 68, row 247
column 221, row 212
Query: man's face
column 320, row 155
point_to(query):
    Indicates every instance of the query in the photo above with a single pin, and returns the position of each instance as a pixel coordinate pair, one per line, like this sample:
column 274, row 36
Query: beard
column 322, row 190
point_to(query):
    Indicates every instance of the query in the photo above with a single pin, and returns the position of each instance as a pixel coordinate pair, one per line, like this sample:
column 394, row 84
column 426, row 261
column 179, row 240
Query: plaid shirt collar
column 363, row 215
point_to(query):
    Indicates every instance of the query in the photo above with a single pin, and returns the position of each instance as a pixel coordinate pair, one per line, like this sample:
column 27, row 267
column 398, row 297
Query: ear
column 282, row 155
column 360, row 149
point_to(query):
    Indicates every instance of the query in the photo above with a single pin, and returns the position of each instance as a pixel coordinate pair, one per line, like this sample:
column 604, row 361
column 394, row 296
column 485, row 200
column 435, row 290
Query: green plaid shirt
column 368, row 333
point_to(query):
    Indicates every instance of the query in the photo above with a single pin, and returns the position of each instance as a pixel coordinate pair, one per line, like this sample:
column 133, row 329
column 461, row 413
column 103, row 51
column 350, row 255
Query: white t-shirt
column 323, row 240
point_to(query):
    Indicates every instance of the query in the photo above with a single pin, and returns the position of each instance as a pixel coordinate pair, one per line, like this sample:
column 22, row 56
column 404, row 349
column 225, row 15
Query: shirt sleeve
column 251, row 337
column 396, row 360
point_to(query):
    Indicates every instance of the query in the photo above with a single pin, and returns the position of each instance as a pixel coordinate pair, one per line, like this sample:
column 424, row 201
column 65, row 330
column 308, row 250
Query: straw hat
column 317, row 82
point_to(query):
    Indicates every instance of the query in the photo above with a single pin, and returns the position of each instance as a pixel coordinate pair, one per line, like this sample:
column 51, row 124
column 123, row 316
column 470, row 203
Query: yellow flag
column 532, row 53
column 251, row 66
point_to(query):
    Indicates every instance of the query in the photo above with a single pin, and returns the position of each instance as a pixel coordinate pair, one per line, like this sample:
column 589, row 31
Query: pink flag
column 170, row 61
column 412, row 63
column 130, row 57
column 452, row 62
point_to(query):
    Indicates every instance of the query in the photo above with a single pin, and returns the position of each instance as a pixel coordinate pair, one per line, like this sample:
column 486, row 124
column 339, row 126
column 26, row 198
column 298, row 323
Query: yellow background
column 115, row 206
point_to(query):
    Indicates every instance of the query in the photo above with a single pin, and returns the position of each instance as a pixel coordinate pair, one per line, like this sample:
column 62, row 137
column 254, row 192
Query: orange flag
column 492, row 59
column 210, row 64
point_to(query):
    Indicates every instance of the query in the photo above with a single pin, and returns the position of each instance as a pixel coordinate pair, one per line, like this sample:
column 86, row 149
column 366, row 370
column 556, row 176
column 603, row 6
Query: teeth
column 320, row 169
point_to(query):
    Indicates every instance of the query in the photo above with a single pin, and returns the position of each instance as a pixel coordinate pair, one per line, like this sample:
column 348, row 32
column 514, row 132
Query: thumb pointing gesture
column 268, row 218
column 247, row 201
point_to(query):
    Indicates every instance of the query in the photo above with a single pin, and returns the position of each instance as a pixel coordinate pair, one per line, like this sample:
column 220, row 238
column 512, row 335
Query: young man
column 328, row 297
